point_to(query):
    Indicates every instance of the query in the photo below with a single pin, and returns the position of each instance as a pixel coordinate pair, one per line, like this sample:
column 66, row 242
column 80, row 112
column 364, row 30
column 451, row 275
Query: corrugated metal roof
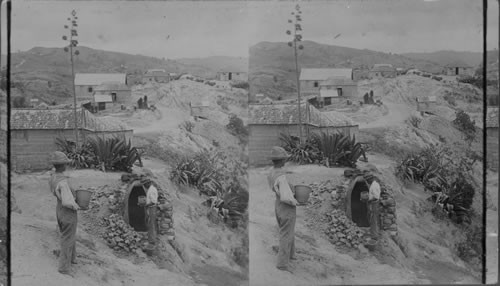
column 103, row 98
column 337, row 81
column 99, row 78
column 29, row 119
column 383, row 68
column 324, row 74
column 110, row 86
column 285, row 114
column 492, row 117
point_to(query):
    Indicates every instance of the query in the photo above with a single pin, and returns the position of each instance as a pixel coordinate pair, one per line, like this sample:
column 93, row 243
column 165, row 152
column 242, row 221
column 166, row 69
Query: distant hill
column 218, row 63
column 444, row 58
column 272, row 66
column 45, row 73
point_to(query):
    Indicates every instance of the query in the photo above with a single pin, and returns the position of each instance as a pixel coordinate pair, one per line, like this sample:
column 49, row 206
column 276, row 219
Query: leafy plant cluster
column 237, row 127
column 463, row 122
column 106, row 154
column 439, row 171
column 329, row 149
column 213, row 175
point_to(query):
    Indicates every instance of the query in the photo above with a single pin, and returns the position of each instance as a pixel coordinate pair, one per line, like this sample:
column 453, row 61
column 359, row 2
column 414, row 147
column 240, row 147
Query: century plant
column 300, row 152
column 295, row 44
column 72, row 43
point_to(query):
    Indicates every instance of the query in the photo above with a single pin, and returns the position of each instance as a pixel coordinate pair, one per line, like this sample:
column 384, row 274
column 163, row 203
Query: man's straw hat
column 278, row 153
column 58, row 157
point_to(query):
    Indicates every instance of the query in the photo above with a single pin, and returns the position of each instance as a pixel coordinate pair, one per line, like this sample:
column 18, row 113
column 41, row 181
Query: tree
column 295, row 44
column 72, row 43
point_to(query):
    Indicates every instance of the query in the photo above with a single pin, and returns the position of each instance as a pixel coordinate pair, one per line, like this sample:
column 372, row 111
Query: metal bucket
column 83, row 198
column 302, row 193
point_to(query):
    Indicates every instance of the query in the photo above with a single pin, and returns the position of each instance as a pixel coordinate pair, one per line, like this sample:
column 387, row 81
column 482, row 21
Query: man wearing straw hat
column 151, row 204
column 285, row 208
column 66, row 214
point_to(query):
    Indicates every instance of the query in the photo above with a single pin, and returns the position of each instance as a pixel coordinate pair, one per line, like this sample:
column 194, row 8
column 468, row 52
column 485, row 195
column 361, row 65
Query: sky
column 396, row 26
column 187, row 29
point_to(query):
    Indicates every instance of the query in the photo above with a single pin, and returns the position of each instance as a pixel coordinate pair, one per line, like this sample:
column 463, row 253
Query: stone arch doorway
column 357, row 210
column 134, row 214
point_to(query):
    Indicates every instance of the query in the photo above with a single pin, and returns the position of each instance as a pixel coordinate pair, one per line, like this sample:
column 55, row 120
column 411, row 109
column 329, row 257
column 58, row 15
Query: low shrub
column 338, row 149
column 470, row 248
column 463, row 122
column 415, row 121
column 302, row 153
column 243, row 85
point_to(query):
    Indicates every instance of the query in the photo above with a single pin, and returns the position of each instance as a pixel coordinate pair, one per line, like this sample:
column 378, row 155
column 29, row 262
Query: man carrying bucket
column 285, row 208
column 66, row 214
column 151, row 204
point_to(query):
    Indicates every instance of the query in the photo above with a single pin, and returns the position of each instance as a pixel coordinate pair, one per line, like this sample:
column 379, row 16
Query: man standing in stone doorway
column 151, row 204
column 373, row 201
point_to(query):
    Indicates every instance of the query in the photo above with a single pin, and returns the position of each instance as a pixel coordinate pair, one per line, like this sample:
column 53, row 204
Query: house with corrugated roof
column 156, row 75
column 268, row 122
column 111, row 94
column 33, row 133
column 426, row 104
column 336, row 87
column 458, row 68
column 85, row 83
column 311, row 78
column 382, row 71
column 232, row 75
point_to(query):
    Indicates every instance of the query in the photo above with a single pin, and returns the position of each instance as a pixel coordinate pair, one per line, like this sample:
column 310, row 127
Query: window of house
column 90, row 89
column 113, row 96
column 316, row 84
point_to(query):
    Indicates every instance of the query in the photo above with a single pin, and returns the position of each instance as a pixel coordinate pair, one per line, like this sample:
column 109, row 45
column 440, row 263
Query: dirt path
column 397, row 114
column 318, row 260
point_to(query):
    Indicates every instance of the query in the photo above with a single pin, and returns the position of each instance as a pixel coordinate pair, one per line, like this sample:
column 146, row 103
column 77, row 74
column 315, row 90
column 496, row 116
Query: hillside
column 218, row 63
column 444, row 58
column 272, row 67
column 45, row 73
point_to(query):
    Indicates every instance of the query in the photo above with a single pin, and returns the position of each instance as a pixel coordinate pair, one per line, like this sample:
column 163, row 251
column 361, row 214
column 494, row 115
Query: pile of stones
column 343, row 232
column 165, row 217
column 388, row 212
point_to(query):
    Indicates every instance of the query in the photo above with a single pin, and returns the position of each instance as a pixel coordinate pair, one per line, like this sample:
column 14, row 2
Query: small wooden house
column 383, row 71
column 426, row 104
column 267, row 122
column 111, row 94
column 156, row 75
column 232, row 75
column 337, row 88
column 33, row 133
column 311, row 78
column 85, row 83
column 458, row 69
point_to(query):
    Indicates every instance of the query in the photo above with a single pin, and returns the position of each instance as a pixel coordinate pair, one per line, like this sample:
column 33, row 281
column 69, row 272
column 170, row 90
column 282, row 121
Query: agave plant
column 302, row 153
column 114, row 153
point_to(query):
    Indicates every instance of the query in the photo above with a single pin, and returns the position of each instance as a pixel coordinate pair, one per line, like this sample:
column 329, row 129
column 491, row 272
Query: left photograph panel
column 129, row 140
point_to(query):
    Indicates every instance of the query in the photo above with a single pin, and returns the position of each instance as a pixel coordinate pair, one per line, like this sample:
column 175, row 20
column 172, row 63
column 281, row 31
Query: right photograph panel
column 366, row 143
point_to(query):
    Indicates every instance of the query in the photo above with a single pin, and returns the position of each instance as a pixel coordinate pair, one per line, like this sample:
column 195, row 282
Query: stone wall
column 165, row 218
column 388, row 212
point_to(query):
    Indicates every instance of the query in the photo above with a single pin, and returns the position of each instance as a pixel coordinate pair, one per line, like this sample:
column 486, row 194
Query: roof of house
column 155, row 70
column 29, row 119
column 382, row 68
column 103, row 98
column 324, row 74
column 457, row 64
column 284, row 114
column 337, row 81
column 156, row 73
column 106, row 86
column 492, row 117
column 99, row 78
column 430, row 98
